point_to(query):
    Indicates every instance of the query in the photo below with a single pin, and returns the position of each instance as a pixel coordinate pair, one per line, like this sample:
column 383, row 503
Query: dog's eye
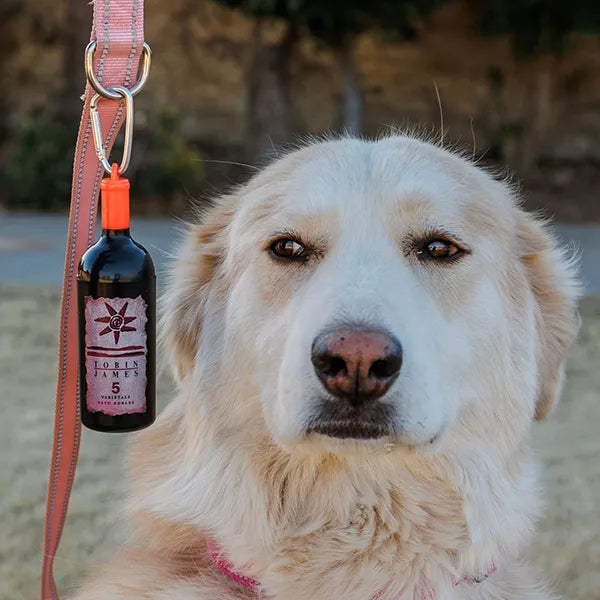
column 288, row 248
column 439, row 249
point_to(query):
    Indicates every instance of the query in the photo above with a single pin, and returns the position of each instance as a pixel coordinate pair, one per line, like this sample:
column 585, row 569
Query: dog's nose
column 357, row 364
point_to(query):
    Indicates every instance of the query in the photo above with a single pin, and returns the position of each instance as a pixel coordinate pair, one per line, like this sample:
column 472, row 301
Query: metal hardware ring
column 106, row 92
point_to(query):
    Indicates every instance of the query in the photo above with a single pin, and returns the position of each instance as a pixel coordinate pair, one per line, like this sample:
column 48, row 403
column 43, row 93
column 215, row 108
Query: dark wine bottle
column 116, row 292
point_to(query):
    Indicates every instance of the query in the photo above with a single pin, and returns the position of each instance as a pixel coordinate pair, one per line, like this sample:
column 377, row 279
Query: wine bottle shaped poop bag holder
column 116, row 289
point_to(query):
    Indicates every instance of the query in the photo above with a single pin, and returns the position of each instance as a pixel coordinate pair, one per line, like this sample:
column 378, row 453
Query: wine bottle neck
column 116, row 232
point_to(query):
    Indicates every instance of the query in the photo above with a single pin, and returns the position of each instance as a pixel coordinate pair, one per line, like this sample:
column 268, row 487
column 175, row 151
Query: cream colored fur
column 453, row 490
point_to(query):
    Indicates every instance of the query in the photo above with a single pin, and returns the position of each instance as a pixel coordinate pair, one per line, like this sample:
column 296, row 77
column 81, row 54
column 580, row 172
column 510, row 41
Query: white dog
column 362, row 337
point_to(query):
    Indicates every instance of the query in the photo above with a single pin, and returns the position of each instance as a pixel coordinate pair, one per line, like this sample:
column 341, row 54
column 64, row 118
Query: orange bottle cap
column 115, row 200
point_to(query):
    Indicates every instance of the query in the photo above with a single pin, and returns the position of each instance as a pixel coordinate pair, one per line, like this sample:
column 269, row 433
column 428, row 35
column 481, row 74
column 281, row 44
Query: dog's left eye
column 439, row 249
column 288, row 248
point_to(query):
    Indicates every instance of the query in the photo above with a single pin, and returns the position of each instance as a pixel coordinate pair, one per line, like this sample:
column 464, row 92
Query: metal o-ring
column 107, row 93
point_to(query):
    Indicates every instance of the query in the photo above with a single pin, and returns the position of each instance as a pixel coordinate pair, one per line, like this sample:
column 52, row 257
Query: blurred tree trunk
column 75, row 36
column 10, row 11
column 541, row 111
column 269, row 100
column 351, row 103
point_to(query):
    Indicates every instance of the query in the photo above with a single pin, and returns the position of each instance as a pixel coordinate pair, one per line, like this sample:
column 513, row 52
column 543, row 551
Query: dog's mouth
column 366, row 422
column 350, row 430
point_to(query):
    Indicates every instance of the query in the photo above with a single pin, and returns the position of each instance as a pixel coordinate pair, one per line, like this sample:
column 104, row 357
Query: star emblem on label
column 117, row 322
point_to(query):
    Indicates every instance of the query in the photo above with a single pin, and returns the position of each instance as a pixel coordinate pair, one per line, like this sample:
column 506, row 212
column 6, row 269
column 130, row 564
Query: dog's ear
column 189, row 282
column 553, row 279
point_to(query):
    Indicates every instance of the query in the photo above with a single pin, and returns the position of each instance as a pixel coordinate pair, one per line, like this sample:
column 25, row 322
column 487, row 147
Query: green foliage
column 534, row 25
column 37, row 165
column 333, row 20
column 173, row 165
column 537, row 26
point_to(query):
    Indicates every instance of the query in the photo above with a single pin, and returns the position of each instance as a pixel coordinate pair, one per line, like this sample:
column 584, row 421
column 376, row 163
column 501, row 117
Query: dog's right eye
column 288, row 248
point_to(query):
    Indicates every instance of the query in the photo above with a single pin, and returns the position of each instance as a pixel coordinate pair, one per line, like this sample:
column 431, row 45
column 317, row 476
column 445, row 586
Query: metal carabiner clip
column 122, row 94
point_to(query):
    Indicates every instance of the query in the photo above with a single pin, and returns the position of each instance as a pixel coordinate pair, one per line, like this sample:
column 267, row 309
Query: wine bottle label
column 115, row 355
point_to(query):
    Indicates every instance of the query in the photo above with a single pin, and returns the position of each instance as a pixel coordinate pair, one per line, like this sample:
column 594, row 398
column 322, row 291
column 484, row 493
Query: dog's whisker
column 233, row 163
column 473, row 136
column 437, row 93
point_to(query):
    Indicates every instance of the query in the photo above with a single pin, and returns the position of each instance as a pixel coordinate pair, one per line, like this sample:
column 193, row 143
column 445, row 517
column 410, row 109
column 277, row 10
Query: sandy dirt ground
column 566, row 547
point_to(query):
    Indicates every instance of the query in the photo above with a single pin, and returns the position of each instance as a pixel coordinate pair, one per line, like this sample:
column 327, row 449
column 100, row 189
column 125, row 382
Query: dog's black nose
column 357, row 364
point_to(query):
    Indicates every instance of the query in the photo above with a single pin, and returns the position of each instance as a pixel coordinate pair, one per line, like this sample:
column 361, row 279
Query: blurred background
column 233, row 82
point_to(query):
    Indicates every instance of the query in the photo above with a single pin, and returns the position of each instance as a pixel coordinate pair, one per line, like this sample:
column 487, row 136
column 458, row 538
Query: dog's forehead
column 355, row 176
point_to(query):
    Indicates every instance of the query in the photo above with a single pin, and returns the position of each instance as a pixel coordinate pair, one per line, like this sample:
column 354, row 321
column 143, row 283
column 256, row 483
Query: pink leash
column 118, row 29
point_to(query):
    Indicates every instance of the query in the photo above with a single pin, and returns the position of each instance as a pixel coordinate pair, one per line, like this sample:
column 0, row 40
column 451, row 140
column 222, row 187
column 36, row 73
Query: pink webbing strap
column 118, row 29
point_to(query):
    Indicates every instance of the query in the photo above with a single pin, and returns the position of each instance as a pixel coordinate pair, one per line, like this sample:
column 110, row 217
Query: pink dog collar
column 221, row 562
